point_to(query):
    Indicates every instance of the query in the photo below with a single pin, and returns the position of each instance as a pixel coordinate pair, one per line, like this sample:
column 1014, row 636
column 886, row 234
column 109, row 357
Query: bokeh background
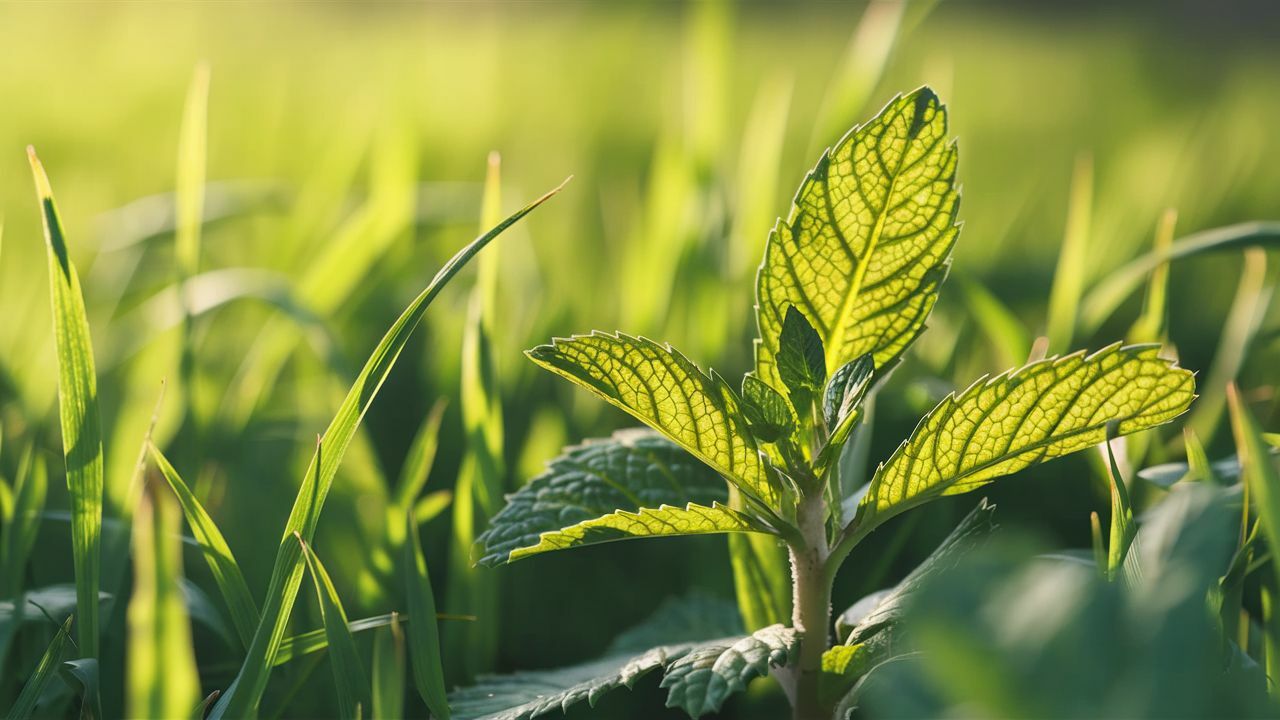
column 347, row 149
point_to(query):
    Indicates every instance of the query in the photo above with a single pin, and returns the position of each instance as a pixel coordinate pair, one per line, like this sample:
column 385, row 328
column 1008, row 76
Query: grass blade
column 1108, row 294
column 348, row 672
column 243, row 696
column 388, row 671
column 478, row 493
column 19, row 533
column 424, row 634
column 189, row 191
column 1150, row 326
column 222, row 564
column 161, row 679
column 1253, row 297
column 1068, row 279
column 45, row 671
column 1263, row 482
column 78, row 411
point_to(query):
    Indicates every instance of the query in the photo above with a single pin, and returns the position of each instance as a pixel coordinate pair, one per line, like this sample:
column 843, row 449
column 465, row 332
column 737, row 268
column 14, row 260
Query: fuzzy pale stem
column 811, row 613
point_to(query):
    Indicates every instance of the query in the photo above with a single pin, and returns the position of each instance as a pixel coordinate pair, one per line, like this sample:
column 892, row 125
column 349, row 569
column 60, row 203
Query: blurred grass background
column 347, row 151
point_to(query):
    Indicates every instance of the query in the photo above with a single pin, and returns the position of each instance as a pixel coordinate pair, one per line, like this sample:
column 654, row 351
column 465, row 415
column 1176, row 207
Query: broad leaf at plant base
column 666, row 391
column 633, row 469
column 867, row 241
column 1041, row 411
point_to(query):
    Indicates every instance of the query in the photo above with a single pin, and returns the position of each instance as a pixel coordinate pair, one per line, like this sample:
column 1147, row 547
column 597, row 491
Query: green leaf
column 35, row 685
column 222, row 563
column 354, row 695
column 388, row 671
column 162, row 681
column 192, row 159
column 312, row 641
column 700, row 681
column 666, row 391
column 78, row 412
column 632, row 469
column 245, row 692
column 1039, row 412
column 662, row 521
column 424, row 634
column 1259, row 472
column 1123, row 528
column 768, row 414
column 802, row 362
column 867, row 241
column 761, row 578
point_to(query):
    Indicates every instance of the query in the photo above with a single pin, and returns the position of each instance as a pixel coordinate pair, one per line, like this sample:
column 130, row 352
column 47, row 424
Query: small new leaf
column 802, row 363
column 1041, row 411
column 769, row 415
column 664, row 390
column 841, row 402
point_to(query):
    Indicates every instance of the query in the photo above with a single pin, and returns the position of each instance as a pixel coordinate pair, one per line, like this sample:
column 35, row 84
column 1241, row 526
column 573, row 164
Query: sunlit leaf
column 867, row 241
column 666, row 391
column 1039, row 412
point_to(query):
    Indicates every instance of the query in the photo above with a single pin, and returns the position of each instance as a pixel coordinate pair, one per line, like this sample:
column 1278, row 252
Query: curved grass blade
column 161, row 677
column 244, row 694
column 45, row 671
column 1107, row 295
column 424, row 634
column 352, row 685
column 388, row 671
column 78, row 413
column 222, row 564
column 1073, row 259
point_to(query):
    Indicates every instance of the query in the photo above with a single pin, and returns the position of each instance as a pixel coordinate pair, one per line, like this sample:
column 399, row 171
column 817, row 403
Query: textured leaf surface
column 700, row 681
column 664, row 520
column 531, row 694
column 801, row 358
column 705, row 672
column 78, row 413
column 867, row 240
column 666, row 391
column 1041, row 411
column 630, row 470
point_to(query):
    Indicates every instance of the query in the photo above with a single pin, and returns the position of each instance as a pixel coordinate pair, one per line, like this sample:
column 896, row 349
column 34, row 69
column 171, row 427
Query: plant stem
column 811, row 614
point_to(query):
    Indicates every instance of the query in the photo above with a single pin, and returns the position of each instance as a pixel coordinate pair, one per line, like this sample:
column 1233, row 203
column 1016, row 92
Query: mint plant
column 847, row 282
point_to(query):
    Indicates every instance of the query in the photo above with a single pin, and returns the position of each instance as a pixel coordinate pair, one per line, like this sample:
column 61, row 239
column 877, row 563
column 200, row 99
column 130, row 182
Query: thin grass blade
column 45, row 671
column 161, row 677
column 354, row 696
column 388, row 671
column 424, row 634
column 222, row 563
column 245, row 693
column 78, row 413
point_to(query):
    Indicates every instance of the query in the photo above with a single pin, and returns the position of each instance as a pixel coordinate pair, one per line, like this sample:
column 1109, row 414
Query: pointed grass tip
column 43, row 190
